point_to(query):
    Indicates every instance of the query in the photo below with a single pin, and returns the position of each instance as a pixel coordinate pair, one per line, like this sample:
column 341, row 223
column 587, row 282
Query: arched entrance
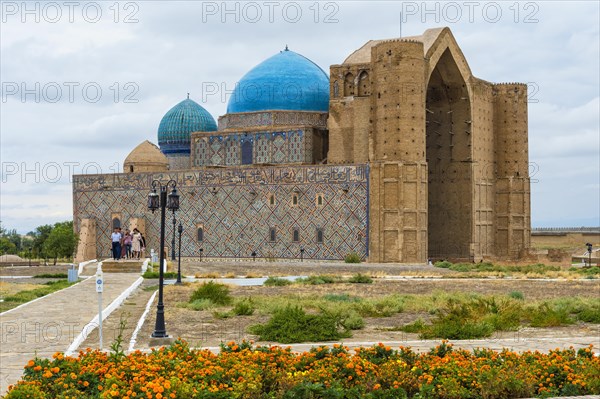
column 449, row 162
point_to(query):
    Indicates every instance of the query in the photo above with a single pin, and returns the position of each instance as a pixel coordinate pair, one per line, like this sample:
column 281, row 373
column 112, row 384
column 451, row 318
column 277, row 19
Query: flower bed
column 244, row 371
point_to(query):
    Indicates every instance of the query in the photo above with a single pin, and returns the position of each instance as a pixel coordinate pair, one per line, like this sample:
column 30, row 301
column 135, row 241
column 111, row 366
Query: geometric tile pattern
column 277, row 147
column 234, row 209
column 273, row 118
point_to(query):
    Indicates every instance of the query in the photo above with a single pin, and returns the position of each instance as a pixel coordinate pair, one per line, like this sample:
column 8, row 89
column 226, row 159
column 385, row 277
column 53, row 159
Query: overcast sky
column 84, row 82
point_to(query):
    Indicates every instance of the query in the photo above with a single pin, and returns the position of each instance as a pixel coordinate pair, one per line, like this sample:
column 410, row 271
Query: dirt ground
column 201, row 328
column 33, row 270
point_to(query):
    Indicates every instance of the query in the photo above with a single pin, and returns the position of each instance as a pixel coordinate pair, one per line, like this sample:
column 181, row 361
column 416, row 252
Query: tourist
column 127, row 242
column 143, row 242
column 136, row 243
column 116, row 244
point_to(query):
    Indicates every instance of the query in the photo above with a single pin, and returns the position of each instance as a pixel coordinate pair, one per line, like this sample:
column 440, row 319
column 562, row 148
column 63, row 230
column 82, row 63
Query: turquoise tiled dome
column 286, row 81
column 175, row 127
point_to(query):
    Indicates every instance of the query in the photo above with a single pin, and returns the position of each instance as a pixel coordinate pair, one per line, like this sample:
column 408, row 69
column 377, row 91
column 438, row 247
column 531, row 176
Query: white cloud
column 174, row 49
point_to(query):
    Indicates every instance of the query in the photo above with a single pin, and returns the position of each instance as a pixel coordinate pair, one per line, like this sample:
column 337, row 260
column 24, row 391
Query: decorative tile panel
column 233, row 206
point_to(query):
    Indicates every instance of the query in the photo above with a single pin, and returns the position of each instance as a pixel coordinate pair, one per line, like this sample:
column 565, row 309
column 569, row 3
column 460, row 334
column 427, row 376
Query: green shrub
column 200, row 304
column 276, row 282
column 415, row 327
column 221, row 315
column 27, row 390
column 341, row 298
column 353, row 321
column 166, row 275
column 474, row 318
column 516, row 295
column 292, row 325
column 352, row 257
column 587, row 271
column 245, row 307
column 546, row 315
column 214, row 292
column 443, row 264
column 317, row 280
column 361, row 279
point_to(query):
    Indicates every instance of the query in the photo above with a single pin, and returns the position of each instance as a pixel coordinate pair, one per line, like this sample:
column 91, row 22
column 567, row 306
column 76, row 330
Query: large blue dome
column 175, row 127
column 286, row 81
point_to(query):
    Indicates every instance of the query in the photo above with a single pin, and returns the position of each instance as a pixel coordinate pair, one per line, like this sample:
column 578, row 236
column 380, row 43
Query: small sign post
column 99, row 290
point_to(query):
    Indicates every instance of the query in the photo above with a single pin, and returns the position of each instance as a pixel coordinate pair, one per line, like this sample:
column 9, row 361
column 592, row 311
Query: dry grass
column 208, row 275
column 7, row 289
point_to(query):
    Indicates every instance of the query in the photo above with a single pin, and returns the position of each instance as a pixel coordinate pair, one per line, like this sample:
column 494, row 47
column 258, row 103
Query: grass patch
column 292, row 324
column 341, row 298
column 352, row 257
column 166, row 275
column 381, row 307
column 360, row 279
column 245, row 307
column 481, row 267
column 276, row 282
column 590, row 272
column 21, row 297
column 318, row 280
column 214, row 292
column 51, row 275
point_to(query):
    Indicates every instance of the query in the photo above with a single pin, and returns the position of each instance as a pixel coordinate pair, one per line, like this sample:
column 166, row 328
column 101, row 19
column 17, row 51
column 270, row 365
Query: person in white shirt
column 116, row 244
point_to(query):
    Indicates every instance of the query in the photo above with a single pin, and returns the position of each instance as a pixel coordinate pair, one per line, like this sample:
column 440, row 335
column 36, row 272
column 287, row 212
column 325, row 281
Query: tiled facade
column 272, row 118
column 237, row 208
column 284, row 146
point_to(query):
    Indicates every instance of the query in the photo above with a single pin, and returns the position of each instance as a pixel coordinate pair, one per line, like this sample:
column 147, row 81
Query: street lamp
column 173, row 239
column 162, row 201
column 179, row 230
column 589, row 248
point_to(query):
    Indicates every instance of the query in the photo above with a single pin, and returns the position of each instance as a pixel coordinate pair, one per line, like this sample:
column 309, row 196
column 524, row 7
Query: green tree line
column 45, row 242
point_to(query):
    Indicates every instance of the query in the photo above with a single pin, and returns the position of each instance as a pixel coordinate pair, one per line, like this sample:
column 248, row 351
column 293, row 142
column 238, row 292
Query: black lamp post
column 302, row 254
column 173, row 239
column 179, row 230
column 589, row 247
column 163, row 202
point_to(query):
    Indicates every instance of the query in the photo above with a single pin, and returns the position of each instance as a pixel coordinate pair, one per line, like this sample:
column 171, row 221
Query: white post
column 99, row 290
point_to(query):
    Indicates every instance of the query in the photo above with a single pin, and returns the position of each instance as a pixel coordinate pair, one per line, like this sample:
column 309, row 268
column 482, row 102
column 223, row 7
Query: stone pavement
column 51, row 323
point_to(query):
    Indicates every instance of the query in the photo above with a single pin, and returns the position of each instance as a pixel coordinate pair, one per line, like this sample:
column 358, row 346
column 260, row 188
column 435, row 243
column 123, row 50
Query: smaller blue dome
column 287, row 81
column 179, row 122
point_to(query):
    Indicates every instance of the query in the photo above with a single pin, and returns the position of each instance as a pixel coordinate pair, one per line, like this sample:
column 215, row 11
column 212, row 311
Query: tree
column 6, row 246
column 40, row 235
column 61, row 241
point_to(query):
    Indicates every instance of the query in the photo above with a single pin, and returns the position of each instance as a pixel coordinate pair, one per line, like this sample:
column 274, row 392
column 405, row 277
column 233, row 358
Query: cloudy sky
column 85, row 82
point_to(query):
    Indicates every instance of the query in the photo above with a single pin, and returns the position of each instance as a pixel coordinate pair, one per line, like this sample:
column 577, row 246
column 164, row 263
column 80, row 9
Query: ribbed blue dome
column 175, row 127
column 286, row 81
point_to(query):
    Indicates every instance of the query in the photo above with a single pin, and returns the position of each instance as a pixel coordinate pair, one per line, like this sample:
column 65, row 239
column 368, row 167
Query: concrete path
column 52, row 323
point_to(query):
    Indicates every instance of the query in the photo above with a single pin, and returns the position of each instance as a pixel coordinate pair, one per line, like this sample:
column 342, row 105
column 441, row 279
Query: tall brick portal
column 447, row 151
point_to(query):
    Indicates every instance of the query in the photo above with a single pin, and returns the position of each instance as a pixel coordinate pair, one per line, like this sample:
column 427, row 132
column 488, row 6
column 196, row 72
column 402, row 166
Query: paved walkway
column 51, row 323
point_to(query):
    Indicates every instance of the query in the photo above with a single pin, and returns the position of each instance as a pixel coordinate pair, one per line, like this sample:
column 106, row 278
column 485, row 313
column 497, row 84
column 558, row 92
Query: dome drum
column 179, row 122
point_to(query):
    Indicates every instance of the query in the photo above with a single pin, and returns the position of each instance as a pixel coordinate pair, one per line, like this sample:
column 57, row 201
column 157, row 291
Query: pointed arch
column 349, row 84
column 364, row 84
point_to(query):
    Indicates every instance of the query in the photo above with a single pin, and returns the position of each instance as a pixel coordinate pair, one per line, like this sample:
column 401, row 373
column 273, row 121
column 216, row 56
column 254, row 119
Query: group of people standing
column 128, row 245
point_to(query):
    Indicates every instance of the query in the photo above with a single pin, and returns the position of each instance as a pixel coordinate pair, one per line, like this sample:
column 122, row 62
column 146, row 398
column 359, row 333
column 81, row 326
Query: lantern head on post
column 173, row 200
column 153, row 199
